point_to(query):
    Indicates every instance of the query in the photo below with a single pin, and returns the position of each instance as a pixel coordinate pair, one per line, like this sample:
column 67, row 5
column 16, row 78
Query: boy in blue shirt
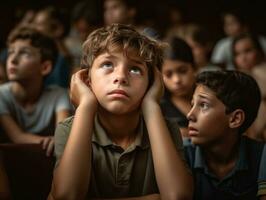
column 225, row 164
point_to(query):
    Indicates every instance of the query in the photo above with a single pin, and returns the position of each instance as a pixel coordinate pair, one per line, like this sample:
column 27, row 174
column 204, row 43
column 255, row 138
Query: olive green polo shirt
column 116, row 172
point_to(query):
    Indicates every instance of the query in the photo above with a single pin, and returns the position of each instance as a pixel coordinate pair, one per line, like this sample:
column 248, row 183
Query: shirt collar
column 241, row 163
column 101, row 138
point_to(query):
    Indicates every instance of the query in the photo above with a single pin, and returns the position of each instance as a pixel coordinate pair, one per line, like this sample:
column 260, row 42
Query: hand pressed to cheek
column 80, row 90
column 155, row 92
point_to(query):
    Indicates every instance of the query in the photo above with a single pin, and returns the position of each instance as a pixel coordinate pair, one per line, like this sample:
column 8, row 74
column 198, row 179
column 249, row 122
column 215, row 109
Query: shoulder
column 67, row 123
column 253, row 149
column 5, row 87
column 224, row 42
column 63, row 128
column 5, row 92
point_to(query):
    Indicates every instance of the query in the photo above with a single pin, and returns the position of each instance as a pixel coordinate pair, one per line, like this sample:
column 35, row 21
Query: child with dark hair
column 179, row 73
column 249, row 57
column 28, row 110
column 55, row 23
column 118, row 145
column 234, row 24
column 119, row 11
column 225, row 164
column 201, row 44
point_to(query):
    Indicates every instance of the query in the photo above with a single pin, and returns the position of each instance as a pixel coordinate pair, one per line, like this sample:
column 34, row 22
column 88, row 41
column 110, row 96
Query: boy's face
column 208, row 122
column 119, row 82
column 232, row 27
column 200, row 52
column 115, row 11
column 178, row 77
column 23, row 61
column 246, row 56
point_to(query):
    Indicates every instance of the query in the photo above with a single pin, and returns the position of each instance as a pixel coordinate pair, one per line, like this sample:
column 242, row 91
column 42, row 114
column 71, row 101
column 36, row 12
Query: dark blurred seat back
column 29, row 170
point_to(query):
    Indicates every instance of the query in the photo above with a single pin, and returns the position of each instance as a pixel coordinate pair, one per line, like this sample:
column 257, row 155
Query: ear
column 236, row 118
column 46, row 67
column 88, row 78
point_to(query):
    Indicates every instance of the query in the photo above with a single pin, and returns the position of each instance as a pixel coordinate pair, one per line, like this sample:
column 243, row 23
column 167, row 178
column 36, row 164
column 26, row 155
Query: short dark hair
column 238, row 14
column 178, row 49
column 236, row 90
column 47, row 46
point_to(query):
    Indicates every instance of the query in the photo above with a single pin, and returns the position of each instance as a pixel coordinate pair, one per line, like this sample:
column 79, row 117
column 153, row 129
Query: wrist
column 150, row 107
column 88, row 106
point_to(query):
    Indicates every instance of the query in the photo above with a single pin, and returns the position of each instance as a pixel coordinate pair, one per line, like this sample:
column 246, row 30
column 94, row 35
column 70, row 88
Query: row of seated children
column 119, row 126
column 108, row 127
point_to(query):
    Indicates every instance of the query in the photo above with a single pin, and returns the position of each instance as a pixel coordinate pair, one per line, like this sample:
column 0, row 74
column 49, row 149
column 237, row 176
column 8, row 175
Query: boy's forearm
column 71, row 177
column 146, row 197
column 172, row 175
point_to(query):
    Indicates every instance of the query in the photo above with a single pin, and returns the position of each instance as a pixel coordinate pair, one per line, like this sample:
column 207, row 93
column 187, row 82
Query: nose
column 191, row 114
column 176, row 78
column 13, row 58
column 121, row 75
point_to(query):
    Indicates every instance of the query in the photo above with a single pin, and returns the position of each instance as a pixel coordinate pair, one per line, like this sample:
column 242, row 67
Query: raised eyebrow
column 203, row 97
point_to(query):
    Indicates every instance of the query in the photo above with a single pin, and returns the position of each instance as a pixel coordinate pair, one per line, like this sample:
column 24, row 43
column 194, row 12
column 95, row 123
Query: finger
column 50, row 148
column 45, row 142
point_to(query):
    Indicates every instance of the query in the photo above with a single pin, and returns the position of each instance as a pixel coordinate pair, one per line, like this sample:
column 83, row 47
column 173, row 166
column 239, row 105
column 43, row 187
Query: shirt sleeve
column 61, row 136
column 219, row 52
column 262, row 174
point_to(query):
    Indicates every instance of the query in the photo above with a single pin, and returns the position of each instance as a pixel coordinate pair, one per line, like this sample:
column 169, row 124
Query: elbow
column 175, row 195
column 57, row 194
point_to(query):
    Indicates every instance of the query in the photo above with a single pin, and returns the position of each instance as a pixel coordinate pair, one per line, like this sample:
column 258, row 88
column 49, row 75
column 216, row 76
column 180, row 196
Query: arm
column 173, row 177
column 146, row 197
column 74, row 167
column 15, row 133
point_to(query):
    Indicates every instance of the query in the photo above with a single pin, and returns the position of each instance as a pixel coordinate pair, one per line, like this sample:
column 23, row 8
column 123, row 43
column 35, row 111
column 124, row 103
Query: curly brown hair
column 125, row 37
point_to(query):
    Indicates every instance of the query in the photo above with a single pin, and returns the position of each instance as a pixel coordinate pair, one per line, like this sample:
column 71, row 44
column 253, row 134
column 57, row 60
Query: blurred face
column 43, row 23
column 232, row 27
column 119, row 82
column 23, row 61
column 115, row 12
column 178, row 77
column 200, row 53
column 207, row 118
column 246, row 56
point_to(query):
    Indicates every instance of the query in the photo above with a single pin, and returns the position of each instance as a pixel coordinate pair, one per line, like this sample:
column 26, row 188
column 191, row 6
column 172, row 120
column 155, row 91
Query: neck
column 26, row 94
column 121, row 129
column 221, row 158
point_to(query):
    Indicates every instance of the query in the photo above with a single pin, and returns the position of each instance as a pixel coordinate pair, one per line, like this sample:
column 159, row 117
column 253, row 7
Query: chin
column 118, row 109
